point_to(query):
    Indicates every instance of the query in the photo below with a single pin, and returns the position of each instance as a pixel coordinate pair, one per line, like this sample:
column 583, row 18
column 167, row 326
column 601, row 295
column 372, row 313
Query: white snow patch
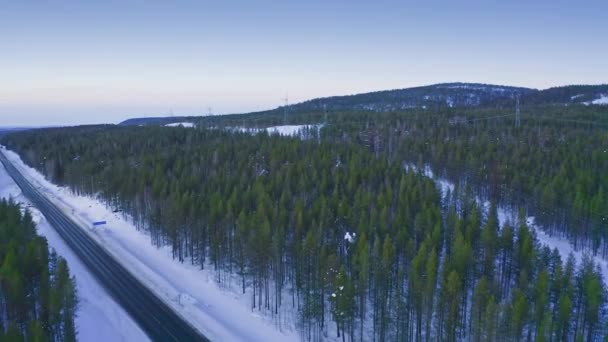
column 443, row 184
column 602, row 100
column 284, row 130
column 509, row 215
column 99, row 317
column 350, row 237
column 575, row 96
column 221, row 314
column 182, row 124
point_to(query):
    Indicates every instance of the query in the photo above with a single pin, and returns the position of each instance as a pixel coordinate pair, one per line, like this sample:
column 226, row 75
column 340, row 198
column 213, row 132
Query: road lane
column 155, row 317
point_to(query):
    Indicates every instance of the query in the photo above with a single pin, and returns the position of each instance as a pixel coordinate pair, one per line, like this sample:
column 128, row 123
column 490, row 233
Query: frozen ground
column 99, row 317
column 222, row 314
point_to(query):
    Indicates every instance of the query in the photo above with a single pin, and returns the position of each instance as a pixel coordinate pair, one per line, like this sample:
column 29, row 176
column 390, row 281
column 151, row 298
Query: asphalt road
column 154, row 317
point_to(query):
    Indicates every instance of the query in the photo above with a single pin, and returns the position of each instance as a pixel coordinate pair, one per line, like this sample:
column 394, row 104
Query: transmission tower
column 285, row 109
column 517, row 113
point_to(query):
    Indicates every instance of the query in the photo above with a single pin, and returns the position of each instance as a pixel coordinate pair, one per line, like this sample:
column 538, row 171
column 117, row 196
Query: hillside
column 444, row 95
column 457, row 95
column 156, row 120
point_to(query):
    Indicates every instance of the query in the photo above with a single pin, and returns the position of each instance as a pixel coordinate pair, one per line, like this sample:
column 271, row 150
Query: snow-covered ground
column 602, row 100
column 182, row 124
column 99, row 318
column 509, row 215
column 285, row 130
column 222, row 314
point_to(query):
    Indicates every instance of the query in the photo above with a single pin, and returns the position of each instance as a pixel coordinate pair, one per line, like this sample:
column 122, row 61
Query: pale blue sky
column 70, row 62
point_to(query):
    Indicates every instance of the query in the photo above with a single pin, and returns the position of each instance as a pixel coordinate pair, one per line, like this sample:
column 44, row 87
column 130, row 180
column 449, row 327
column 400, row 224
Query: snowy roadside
column 99, row 317
column 220, row 314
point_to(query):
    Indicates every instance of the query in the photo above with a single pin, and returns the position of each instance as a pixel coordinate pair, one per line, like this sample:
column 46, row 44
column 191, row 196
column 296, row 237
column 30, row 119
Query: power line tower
column 517, row 112
column 209, row 112
column 285, row 109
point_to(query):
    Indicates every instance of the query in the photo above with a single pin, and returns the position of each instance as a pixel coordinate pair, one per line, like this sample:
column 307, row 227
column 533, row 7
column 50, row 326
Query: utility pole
column 517, row 113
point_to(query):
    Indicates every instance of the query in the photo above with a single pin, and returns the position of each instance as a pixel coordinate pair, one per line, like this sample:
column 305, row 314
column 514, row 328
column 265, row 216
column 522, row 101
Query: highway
column 154, row 317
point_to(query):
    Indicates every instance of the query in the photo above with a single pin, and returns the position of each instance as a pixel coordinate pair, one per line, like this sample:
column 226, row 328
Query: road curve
column 154, row 317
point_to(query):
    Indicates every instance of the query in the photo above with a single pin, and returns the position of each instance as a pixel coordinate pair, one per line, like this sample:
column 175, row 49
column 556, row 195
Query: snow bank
column 182, row 124
column 220, row 314
column 99, row 317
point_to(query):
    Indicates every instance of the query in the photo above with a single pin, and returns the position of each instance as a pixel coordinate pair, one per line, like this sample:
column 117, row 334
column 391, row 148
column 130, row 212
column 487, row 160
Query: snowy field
column 99, row 317
column 221, row 314
column 182, row 124
column 508, row 215
column 602, row 100
column 284, row 130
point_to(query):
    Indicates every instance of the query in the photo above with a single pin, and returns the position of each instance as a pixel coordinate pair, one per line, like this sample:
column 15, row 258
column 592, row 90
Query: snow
column 565, row 248
column 288, row 130
column 221, row 314
column 444, row 184
column 509, row 215
column 576, row 96
column 350, row 237
column 602, row 100
column 182, row 124
column 99, row 317
column 284, row 130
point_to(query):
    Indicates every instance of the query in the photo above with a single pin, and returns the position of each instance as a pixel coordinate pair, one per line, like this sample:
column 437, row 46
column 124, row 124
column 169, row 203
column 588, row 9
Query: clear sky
column 70, row 62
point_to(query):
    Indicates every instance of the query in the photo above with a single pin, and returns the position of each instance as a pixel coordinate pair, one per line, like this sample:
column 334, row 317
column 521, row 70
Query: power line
column 517, row 112
column 285, row 109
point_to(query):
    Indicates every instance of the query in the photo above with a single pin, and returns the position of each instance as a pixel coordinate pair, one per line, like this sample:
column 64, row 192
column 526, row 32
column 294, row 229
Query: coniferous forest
column 334, row 226
column 38, row 299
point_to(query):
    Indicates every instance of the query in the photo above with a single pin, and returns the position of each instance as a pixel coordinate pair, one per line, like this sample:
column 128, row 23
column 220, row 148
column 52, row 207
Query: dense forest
column 38, row 299
column 553, row 165
column 338, row 230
